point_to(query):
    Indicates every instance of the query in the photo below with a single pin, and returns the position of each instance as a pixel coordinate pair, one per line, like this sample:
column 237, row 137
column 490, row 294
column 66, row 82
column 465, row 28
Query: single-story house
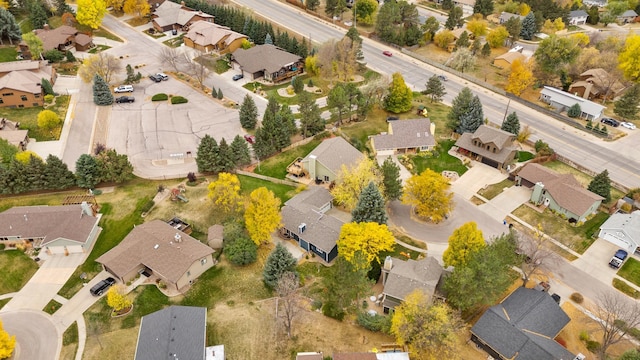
column 175, row 332
column 506, row 16
column 627, row 17
column 325, row 162
column 170, row 16
column 405, row 136
column 208, row 37
column 304, row 219
column 562, row 193
column 400, row 278
column 155, row 247
column 507, row 59
column 394, row 355
column 622, row 230
column 63, row 38
column 20, row 83
column 267, row 61
column 523, row 327
column 489, row 145
column 65, row 229
column 595, row 83
column 466, row 5
column 578, row 17
column 309, row 356
column 562, row 101
column 10, row 131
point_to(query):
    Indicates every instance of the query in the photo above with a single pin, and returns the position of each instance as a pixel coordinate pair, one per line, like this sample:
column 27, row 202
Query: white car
column 628, row 125
column 123, row 88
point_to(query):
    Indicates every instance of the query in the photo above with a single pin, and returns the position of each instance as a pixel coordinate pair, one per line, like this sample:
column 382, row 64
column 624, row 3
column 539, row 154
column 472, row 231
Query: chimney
column 302, row 227
column 177, row 237
column 46, row 27
column 182, row 3
column 312, row 166
column 388, row 263
column 86, row 209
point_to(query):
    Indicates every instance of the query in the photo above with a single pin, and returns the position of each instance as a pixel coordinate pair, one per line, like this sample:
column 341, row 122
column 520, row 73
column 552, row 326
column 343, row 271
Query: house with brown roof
column 267, row 61
column 169, row 16
column 561, row 193
column 305, row 220
column 309, row 356
column 325, row 162
column 208, row 37
column 20, row 83
column 380, row 355
column 55, row 229
column 401, row 278
column 157, row 248
column 489, row 145
column 10, row 131
column 63, row 38
column 405, row 136
column 596, row 84
column 507, row 59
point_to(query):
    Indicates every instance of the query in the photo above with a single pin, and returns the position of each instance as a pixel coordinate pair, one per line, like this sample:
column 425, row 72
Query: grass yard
column 52, row 307
column 524, row 156
column 16, row 268
column 583, row 178
column 98, row 48
column 283, row 192
column 438, row 161
column 276, row 166
column 137, row 21
column 173, row 42
column 28, row 118
column 358, row 132
column 102, row 32
column 625, row 288
column 548, row 244
column 408, row 239
column 69, row 343
column 222, row 66
column 577, row 238
column 3, row 302
column 8, row 53
column 494, row 190
column 630, row 270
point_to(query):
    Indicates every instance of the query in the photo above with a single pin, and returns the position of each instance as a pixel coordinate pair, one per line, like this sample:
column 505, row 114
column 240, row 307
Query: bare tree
column 326, row 57
column 173, row 57
column 534, row 252
column 461, row 60
column 617, row 315
column 198, row 71
column 103, row 64
column 289, row 299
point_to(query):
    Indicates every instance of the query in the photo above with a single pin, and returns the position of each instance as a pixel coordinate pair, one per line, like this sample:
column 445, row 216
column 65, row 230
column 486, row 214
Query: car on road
column 610, row 122
column 123, row 88
column 442, row 78
column 628, row 125
column 104, row 285
column 387, row 53
column 617, row 259
column 125, row 99
column 237, row 77
column 251, row 139
column 155, row 78
column 162, row 76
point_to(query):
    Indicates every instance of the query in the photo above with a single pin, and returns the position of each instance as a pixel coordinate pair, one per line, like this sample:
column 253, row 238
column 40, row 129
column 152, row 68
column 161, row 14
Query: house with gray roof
column 627, row 17
column 578, row 17
column 489, row 145
column 169, row 16
column 175, row 332
column 561, row 193
column 325, row 162
column 622, row 230
column 162, row 251
column 523, row 327
column 400, row 278
column 405, row 136
column 62, row 229
column 506, row 16
column 305, row 220
column 562, row 101
column 267, row 61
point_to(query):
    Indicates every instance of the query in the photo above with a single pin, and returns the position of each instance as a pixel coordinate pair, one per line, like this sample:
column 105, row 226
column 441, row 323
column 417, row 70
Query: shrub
column 147, row 206
column 310, row 83
column 160, row 97
column 70, row 57
column 48, row 98
column 592, row 346
column 374, row 322
column 584, row 335
column 577, row 298
column 53, row 55
column 315, row 304
column 243, row 251
column 298, row 85
column 1, row 247
column 574, row 111
column 179, row 100
column 191, row 177
column 331, row 310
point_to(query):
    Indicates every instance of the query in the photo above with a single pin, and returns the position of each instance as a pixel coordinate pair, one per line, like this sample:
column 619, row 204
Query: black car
column 102, row 286
column 610, row 122
column 125, row 99
column 442, row 78
column 155, row 78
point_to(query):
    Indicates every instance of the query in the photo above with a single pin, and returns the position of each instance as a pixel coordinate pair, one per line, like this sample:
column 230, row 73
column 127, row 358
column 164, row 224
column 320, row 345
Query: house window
column 1, row 101
column 20, row 106
column 23, row 97
column 36, row 96
column 7, row 94
column 326, row 178
column 203, row 261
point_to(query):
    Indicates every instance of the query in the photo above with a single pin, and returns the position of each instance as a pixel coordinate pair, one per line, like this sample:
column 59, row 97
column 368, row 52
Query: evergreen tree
column 311, row 121
column 447, row 4
column 312, row 4
column 435, row 89
column 248, row 113
column 288, row 119
column 46, row 87
column 279, row 262
column 391, row 180
column 57, row 174
column 70, row 57
column 220, row 95
column 486, row 50
column 370, row 207
column 214, row 92
column 263, row 146
column 455, row 18
column 574, row 111
column 511, row 124
column 62, row 7
column 627, row 106
column 37, row 14
column 354, row 35
column 35, row 172
column 114, row 167
column 9, row 28
column 529, row 26
column 240, row 152
column 463, row 41
column 17, row 180
column 225, row 157
column 131, row 75
column 207, row 154
column 601, row 185
column 472, row 119
column 101, row 92
column 484, row 7
column 88, row 173
column 459, row 106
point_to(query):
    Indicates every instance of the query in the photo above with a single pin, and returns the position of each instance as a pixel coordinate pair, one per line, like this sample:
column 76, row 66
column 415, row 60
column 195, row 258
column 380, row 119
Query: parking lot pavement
column 595, row 261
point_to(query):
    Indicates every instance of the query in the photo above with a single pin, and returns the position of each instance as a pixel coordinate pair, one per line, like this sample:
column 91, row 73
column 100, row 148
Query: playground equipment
column 176, row 194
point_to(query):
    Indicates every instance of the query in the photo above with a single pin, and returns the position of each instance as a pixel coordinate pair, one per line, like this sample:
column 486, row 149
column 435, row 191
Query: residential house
column 622, row 230
column 156, row 248
column 309, row 356
column 325, row 162
column 405, row 136
column 171, row 16
column 506, row 16
column 507, row 59
column 10, row 131
column 400, row 278
column 63, row 38
column 578, row 17
column 208, row 37
column 466, row 5
column 490, row 146
column 523, row 327
column 20, row 83
column 393, row 355
column 561, row 193
column 175, row 332
column 65, row 229
column 267, row 61
column 627, row 17
column 596, row 84
column 562, row 101
column 305, row 219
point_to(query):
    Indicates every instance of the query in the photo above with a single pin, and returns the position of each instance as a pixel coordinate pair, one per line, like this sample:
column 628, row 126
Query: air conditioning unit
column 579, row 357
column 302, row 227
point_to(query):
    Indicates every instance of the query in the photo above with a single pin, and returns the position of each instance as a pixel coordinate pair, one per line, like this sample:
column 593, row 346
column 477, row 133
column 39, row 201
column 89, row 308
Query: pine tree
column 435, row 89
column 225, row 157
column 35, row 172
column 214, row 92
column 370, row 207
column 459, row 106
column 627, row 106
column 62, row 7
column 9, row 28
column 263, row 146
column 463, row 41
column 46, row 87
column 455, row 18
column 279, row 261
column 131, row 76
column 311, row 121
column 288, row 119
column 88, row 173
column 473, row 118
column 220, row 95
column 486, row 50
column 240, row 152
column 207, row 154
column 57, row 174
column 601, row 185
column 529, row 26
column 574, row 111
column 101, row 92
column 268, row 40
column 248, row 113
column 484, row 7
column 391, row 180
column 511, row 124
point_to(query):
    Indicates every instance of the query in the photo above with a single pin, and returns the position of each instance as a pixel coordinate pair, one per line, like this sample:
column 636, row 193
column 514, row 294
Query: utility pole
column 506, row 110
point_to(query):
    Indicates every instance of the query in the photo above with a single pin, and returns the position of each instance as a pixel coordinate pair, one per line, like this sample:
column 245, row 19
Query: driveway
column 477, row 177
column 595, row 261
column 36, row 336
column 507, row 201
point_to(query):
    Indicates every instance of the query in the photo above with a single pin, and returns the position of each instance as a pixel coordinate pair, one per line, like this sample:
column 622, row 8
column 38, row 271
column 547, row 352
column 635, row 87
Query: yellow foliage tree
column 7, row 343
column 443, row 38
column 225, row 193
column 25, row 156
column 103, row 64
column 428, row 193
column 48, row 120
column 91, row 12
column 477, row 27
column 524, row 9
column 117, row 299
column 138, row 7
column 262, row 215
column 4, row 4
column 117, row 5
column 629, row 58
column 463, row 244
column 351, row 182
column 520, row 78
column 311, row 65
column 430, row 329
column 558, row 24
column 548, row 27
column 497, row 36
column 581, row 39
column 366, row 238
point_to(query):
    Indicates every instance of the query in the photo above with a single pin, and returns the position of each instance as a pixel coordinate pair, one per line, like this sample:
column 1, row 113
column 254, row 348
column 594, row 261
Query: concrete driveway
column 36, row 336
column 478, row 176
column 507, row 201
column 595, row 261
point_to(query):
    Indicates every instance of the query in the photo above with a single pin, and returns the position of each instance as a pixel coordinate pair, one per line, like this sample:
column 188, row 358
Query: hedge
column 178, row 100
column 160, row 97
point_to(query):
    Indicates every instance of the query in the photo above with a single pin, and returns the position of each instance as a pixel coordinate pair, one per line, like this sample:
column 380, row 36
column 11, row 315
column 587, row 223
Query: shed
column 215, row 236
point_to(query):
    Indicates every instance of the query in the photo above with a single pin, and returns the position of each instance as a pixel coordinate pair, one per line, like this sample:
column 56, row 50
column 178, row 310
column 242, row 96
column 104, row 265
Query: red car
column 387, row 53
column 250, row 139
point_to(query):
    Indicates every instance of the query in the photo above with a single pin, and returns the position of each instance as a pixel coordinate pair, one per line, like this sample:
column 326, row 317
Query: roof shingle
column 405, row 134
column 335, row 152
column 265, row 57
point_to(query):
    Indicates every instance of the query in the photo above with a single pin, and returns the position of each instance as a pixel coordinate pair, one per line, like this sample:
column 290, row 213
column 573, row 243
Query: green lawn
column 276, row 166
column 52, row 307
column 631, row 271
column 28, row 118
column 524, row 156
column 439, row 160
column 16, row 268
column 494, row 190
column 283, row 192
column 70, row 336
column 625, row 288
column 222, row 66
column 3, row 302
column 8, row 53
column 99, row 48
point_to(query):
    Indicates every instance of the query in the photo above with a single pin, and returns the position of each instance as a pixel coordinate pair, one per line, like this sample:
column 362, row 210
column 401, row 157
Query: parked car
column 237, row 77
column 123, row 88
column 610, row 122
column 628, row 125
column 250, row 138
column 102, row 286
column 162, row 76
column 155, row 78
column 125, row 99
column 618, row 259
column 442, row 78
column 387, row 53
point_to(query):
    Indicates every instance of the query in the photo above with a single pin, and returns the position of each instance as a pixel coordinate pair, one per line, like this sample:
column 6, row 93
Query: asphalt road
column 36, row 336
column 620, row 159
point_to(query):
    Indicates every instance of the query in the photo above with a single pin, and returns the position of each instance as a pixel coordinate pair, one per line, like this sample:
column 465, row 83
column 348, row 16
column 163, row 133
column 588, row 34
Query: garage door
column 385, row 153
column 490, row 162
column 623, row 244
column 56, row 249
column 75, row 249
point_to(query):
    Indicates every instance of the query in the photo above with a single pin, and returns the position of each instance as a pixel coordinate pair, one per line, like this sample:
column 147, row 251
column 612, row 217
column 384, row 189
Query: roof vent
column 388, row 263
column 25, row 217
column 418, row 134
column 302, row 227
column 156, row 246
column 177, row 237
